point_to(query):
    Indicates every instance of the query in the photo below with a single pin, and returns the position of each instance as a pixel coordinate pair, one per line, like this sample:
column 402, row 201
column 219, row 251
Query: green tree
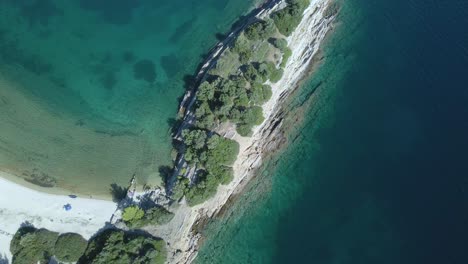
column 31, row 245
column 264, row 70
column 222, row 151
column 153, row 216
column 204, row 189
column 288, row 18
column 260, row 93
column 205, row 91
column 253, row 115
column 180, row 188
column 243, row 47
column 132, row 213
column 194, row 138
column 251, row 74
column 243, row 129
column 260, row 30
column 280, row 43
column 69, row 247
column 195, row 141
column 250, row 117
column 276, row 75
column 223, row 174
column 119, row 247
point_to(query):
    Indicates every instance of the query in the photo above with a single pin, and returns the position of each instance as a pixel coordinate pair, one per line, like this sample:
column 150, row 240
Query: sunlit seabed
column 88, row 88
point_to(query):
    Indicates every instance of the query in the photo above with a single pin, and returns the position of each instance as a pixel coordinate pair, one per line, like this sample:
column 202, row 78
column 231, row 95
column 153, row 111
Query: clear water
column 378, row 170
column 73, row 107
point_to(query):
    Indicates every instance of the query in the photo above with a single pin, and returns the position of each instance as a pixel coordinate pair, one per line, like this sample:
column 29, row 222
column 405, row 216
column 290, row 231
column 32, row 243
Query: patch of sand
column 19, row 204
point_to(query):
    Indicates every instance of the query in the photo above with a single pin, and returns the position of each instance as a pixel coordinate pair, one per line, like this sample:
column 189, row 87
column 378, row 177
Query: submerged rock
column 145, row 70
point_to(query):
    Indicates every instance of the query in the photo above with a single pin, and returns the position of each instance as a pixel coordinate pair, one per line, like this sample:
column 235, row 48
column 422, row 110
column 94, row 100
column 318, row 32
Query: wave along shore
column 180, row 233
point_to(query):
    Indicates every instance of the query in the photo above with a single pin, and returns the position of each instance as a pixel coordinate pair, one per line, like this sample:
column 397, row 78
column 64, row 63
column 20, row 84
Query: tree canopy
column 31, row 245
column 288, row 18
column 69, row 247
column 119, row 247
column 132, row 213
column 233, row 92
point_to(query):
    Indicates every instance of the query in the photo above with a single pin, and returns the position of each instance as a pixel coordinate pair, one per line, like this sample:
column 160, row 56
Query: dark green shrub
column 158, row 216
column 250, row 117
column 253, row 116
column 132, row 214
column 223, row 174
column 15, row 245
column 221, row 151
column 251, row 74
column 260, row 93
column 180, row 188
column 202, row 191
column 152, row 216
column 31, row 245
column 280, row 44
column 218, row 152
column 288, row 18
column 195, row 141
column 69, row 247
column 260, row 30
column 205, row 91
column 118, row 247
column 243, row 47
column 264, row 70
column 276, row 75
column 244, row 130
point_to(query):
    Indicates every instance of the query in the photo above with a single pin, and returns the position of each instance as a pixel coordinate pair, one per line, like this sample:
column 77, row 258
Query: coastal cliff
column 181, row 233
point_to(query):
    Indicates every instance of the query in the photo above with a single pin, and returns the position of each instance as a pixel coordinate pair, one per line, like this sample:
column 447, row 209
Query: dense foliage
column 260, row 30
column 212, row 154
column 282, row 45
column 132, row 213
column 152, row 216
column 31, row 245
column 288, row 18
column 69, row 247
column 119, row 247
column 233, row 93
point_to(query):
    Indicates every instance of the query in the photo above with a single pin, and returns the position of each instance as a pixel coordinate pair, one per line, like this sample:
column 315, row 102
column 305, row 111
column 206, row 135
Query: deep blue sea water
column 379, row 173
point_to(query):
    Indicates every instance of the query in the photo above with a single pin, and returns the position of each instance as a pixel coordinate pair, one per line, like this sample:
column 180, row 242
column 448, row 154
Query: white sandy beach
column 19, row 204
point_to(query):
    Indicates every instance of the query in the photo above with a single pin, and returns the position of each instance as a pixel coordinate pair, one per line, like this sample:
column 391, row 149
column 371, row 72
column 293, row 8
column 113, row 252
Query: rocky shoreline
column 181, row 233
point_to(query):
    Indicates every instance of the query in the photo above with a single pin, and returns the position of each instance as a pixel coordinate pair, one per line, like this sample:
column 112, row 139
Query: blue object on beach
column 72, row 196
column 67, row 207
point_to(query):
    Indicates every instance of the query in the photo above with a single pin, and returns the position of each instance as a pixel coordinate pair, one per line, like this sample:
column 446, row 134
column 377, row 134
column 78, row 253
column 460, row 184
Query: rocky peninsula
column 304, row 42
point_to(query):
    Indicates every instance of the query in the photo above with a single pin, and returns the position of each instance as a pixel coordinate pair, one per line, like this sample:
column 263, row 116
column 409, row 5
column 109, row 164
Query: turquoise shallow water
column 88, row 88
column 379, row 173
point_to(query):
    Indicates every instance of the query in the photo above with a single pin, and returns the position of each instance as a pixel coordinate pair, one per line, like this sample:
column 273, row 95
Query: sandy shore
column 304, row 43
column 19, row 204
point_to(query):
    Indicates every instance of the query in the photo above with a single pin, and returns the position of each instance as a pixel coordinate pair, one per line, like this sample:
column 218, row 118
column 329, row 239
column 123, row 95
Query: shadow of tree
column 118, row 192
column 165, row 172
column 4, row 259
column 174, row 125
